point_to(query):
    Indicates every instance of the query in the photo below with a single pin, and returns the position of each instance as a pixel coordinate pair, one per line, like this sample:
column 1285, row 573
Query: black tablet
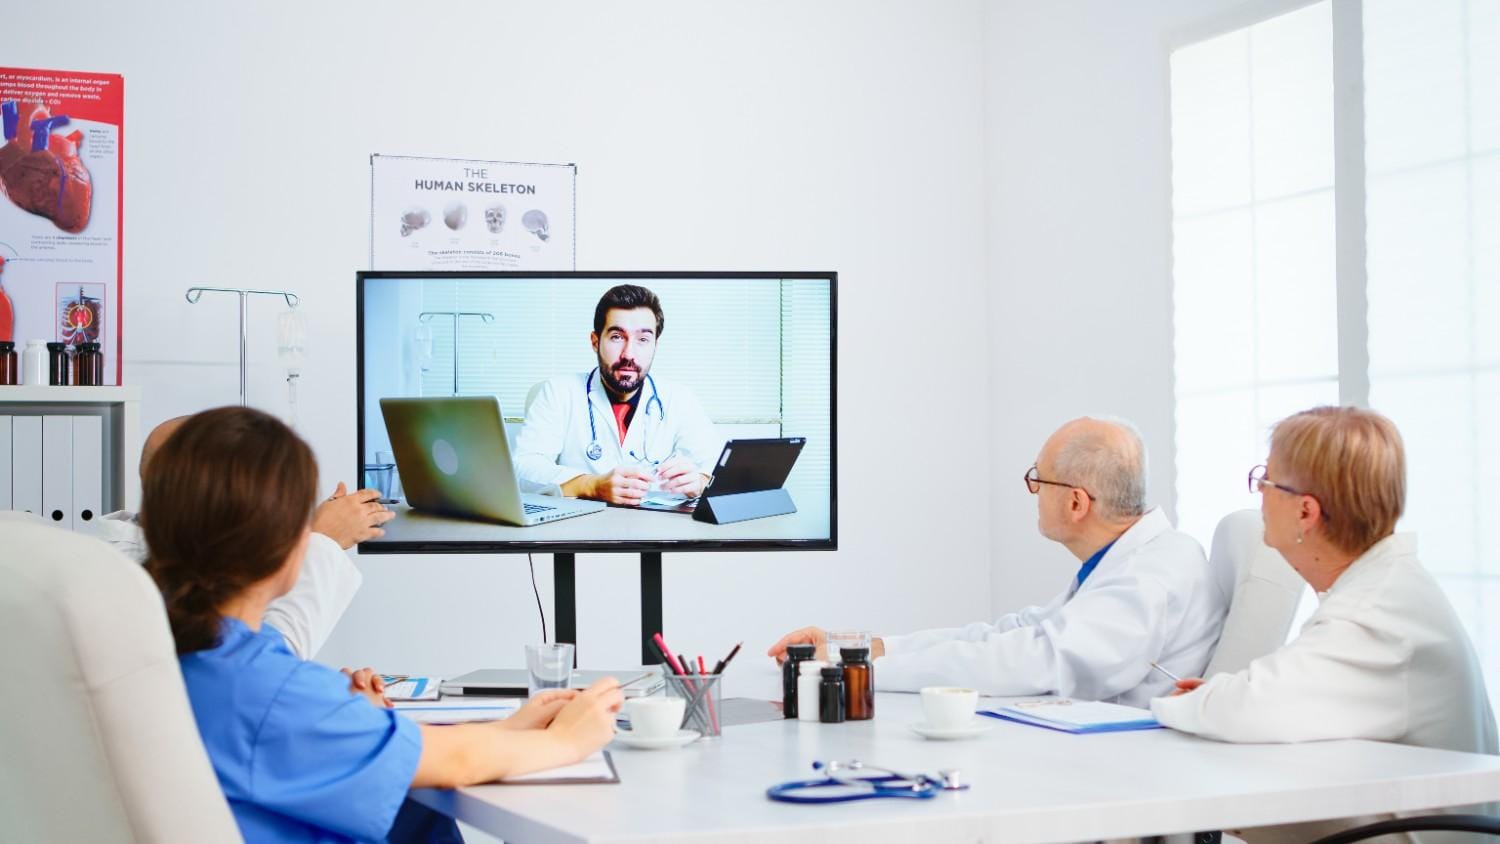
column 754, row 465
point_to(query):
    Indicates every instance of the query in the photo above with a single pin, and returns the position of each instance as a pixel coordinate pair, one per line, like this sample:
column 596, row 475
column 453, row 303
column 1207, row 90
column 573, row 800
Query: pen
column 1174, row 677
column 701, row 669
column 667, row 654
column 687, row 663
column 633, row 681
column 666, row 661
column 724, row 663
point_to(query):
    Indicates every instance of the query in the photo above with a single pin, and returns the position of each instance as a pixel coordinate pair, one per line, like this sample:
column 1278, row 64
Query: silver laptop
column 454, row 459
column 511, row 682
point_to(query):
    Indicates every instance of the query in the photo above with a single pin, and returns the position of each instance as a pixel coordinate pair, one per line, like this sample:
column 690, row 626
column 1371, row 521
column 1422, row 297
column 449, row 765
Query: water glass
column 392, row 495
column 548, row 666
column 838, row 639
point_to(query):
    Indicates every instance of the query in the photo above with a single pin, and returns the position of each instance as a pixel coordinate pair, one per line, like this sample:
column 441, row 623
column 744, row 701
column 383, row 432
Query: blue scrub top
column 300, row 756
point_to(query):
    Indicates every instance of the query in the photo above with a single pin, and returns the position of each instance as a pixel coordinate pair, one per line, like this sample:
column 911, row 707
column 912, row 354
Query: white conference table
column 1028, row 785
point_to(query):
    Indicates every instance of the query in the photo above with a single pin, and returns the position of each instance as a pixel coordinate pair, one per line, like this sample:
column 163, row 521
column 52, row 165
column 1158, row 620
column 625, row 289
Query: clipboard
column 599, row 768
column 1072, row 716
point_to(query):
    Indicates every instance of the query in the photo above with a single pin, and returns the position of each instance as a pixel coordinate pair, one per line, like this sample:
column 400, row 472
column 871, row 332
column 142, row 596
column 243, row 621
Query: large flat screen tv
column 599, row 411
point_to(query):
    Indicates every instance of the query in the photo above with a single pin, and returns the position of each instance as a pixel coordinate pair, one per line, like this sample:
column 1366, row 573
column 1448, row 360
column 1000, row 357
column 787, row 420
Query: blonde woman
column 1384, row 657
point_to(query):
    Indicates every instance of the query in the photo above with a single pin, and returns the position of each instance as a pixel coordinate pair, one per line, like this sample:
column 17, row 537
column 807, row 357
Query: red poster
column 61, row 209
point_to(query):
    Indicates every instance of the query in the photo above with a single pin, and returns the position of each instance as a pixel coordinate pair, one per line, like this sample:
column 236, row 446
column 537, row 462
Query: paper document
column 658, row 500
column 1074, row 716
column 597, row 768
column 403, row 687
column 457, row 710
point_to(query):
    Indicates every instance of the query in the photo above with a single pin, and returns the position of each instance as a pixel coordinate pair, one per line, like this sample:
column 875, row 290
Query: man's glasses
column 1034, row 484
column 1257, row 481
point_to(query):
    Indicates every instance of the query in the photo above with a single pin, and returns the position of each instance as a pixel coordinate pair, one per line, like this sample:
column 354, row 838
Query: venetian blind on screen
column 721, row 337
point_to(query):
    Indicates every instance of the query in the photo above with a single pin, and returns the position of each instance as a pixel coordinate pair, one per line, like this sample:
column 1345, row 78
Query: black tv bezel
column 615, row 546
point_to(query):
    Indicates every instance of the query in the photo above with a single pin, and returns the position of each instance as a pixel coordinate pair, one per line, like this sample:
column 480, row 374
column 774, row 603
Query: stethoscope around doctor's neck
column 595, row 450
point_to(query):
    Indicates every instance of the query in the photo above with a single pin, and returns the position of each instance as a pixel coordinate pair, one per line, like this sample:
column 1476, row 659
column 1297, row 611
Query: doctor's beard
column 612, row 380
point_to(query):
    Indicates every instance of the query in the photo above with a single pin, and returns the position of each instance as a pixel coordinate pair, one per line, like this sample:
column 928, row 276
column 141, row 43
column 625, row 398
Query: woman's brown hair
column 224, row 502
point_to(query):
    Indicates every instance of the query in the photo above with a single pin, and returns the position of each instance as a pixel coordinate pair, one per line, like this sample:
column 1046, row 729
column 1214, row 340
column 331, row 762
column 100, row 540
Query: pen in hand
column 1174, row 677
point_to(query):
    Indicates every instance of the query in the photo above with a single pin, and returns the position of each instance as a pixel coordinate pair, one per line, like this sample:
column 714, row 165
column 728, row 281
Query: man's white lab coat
column 304, row 616
column 555, row 443
column 1151, row 598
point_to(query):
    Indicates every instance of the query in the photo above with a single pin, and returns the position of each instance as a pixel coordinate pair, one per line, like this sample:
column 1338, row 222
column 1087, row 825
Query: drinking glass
column 548, row 666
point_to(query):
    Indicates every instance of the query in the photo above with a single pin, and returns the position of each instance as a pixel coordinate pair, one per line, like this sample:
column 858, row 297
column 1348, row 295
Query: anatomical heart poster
column 457, row 214
column 60, row 209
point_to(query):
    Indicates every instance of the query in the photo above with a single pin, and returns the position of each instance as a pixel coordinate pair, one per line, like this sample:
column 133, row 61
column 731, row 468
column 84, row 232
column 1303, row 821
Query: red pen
column 702, row 669
column 667, row 652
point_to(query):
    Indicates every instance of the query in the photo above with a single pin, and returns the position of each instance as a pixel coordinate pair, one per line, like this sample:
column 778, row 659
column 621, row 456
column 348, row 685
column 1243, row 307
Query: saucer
column 665, row 742
column 977, row 727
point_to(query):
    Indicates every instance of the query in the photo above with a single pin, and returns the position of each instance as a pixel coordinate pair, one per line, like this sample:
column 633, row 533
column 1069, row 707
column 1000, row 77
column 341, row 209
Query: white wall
column 1077, row 145
column 781, row 135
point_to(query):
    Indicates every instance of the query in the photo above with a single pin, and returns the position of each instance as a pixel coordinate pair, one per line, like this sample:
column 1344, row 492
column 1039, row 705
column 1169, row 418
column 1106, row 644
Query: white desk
column 1029, row 785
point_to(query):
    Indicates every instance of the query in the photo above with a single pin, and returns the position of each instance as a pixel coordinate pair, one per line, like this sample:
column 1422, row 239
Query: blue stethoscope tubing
column 595, row 450
column 791, row 792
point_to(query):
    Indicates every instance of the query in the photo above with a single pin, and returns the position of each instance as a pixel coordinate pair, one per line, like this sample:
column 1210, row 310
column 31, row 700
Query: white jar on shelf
column 34, row 363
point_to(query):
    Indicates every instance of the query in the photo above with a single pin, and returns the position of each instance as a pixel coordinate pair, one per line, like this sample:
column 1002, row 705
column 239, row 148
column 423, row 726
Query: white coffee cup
column 948, row 708
column 655, row 717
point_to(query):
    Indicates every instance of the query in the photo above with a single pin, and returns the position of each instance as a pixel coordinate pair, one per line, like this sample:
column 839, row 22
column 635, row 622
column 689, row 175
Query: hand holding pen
column 1184, row 685
column 680, row 476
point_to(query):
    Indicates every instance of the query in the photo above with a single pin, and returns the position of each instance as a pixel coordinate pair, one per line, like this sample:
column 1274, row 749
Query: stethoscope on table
column 887, row 784
column 595, row 451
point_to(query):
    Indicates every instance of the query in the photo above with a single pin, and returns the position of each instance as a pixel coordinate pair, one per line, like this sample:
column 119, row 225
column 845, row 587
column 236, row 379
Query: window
column 1432, row 159
column 1253, row 242
column 1256, row 225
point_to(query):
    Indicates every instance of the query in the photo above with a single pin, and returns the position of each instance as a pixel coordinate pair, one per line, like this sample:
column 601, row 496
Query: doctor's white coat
column 1151, row 598
column 304, row 616
column 1384, row 657
column 553, row 445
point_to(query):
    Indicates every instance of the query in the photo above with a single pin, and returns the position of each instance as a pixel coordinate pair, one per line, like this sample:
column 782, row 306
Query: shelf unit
column 118, row 411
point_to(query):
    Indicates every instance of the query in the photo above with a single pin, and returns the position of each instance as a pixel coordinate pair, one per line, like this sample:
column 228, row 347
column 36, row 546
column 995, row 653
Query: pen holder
column 703, row 701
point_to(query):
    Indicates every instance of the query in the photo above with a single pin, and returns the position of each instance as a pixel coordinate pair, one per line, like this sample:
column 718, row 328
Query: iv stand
column 195, row 293
column 426, row 316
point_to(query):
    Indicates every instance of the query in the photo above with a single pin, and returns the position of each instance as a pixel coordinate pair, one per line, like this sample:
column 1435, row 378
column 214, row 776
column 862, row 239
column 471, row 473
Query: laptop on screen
column 454, row 459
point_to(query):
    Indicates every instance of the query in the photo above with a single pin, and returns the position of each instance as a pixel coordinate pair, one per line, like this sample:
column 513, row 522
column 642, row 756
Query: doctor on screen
column 616, row 432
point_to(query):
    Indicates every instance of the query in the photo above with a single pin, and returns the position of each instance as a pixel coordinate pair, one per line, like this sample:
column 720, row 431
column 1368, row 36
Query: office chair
column 98, row 738
column 1483, row 824
column 1263, row 593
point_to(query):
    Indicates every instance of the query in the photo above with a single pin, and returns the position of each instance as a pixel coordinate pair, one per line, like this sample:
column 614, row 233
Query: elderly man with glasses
column 1143, row 593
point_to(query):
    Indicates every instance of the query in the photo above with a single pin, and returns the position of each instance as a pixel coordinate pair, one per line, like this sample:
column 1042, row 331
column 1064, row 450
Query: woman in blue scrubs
column 300, row 754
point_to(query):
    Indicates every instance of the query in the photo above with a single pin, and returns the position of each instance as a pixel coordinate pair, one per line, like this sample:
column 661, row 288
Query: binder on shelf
column 88, row 469
column 5, row 479
column 26, row 464
column 57, row 470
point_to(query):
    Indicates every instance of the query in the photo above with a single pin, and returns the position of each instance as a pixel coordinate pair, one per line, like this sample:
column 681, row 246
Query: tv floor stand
column 565, row 601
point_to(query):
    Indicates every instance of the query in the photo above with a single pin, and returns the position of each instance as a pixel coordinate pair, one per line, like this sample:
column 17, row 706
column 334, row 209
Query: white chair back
column 1263, row 592
column 97, row 737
